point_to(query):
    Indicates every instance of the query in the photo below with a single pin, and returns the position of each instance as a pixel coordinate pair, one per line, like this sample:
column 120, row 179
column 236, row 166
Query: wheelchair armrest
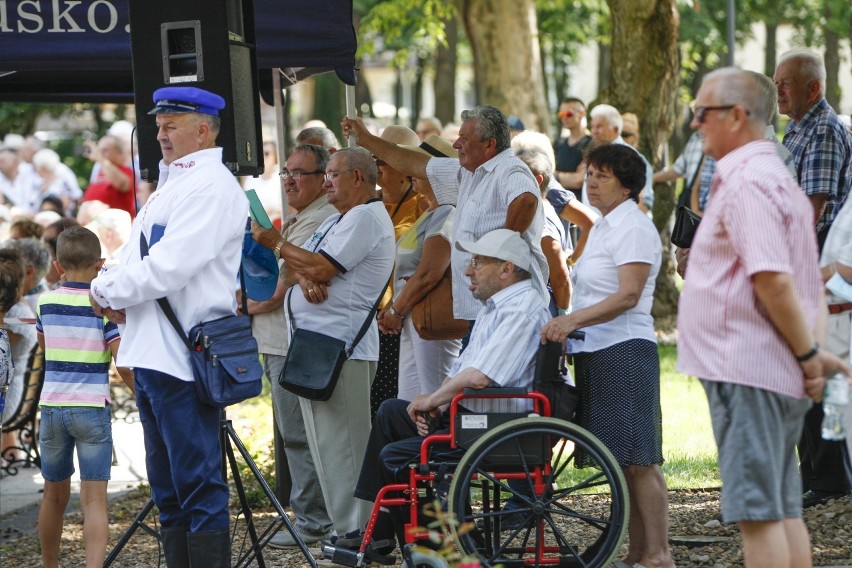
column 506, row 391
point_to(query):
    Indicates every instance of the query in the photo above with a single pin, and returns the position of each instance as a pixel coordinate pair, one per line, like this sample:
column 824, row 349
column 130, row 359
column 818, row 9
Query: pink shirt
column 758, row 220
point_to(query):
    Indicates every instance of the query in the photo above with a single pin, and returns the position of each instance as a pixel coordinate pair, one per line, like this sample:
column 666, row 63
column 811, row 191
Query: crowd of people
column 537, row 239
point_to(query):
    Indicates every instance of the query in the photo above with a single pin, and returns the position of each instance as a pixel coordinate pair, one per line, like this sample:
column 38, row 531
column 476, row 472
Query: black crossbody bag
column 314, row 360
column 223, row 353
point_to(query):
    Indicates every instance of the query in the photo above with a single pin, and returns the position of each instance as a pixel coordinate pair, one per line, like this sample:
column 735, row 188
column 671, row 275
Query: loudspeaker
column 208, row 44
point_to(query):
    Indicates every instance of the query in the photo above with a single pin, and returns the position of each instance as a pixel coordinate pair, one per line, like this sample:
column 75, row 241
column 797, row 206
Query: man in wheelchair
column 501, row 353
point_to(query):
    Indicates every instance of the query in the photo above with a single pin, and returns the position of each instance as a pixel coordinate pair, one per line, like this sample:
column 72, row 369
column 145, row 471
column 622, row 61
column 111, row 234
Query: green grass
column 688, row 445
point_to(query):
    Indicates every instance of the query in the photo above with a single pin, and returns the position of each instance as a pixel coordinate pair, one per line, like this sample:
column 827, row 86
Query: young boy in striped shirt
column 75, row 401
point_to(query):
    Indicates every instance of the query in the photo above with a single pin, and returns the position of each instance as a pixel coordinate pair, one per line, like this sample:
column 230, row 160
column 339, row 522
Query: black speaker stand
column 228, row 440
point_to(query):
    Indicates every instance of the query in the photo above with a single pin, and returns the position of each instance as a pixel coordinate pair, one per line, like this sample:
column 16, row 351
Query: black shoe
column 510, row 522
column 811, row 498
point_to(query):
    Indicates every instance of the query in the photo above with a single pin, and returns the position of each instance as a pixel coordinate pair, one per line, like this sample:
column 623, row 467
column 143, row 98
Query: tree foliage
column 404, row 26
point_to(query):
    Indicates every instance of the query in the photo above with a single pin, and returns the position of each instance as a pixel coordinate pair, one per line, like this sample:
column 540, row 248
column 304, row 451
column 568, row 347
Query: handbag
column 686, row 223
column 314, row 360
column 550, row 373
column 433, row 315
column 223, row 353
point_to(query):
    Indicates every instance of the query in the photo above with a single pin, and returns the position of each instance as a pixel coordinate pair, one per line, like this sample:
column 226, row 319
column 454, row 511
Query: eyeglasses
column 477, row 262
column 297, row 174
column 565, row 113
column 628, row 134
column 334, row 175
column 379, row 161
column 701, row 111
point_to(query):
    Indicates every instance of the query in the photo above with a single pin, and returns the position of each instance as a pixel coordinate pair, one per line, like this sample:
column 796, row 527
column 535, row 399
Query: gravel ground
column 693, row 514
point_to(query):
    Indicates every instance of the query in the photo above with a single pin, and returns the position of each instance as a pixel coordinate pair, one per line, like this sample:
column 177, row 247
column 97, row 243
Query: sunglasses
column 701, row 111
column 379, row 161
column 565, row 113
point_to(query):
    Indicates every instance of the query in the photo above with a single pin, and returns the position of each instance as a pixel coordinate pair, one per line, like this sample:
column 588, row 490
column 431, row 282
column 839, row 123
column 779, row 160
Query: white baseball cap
column 500, row 243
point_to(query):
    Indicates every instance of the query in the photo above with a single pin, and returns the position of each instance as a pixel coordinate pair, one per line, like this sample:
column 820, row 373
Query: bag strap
column 364, row 327
column 167, row 307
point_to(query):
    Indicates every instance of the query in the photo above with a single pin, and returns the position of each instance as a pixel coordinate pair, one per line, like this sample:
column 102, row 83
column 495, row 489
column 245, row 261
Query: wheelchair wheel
column 417, row 557
column 557, row 514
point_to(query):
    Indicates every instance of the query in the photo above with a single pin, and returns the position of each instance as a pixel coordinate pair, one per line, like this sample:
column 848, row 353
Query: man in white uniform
column 194, row 226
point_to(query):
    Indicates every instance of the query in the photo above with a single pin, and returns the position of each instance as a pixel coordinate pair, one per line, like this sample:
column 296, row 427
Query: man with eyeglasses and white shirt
column 304, row 186
column 340, row 271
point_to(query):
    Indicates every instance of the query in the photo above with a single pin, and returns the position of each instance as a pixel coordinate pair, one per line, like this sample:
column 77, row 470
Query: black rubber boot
column 175, row 547
column 209, row 549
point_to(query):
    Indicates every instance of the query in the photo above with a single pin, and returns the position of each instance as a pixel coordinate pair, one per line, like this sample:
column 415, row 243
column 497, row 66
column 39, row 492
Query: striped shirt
column 482, row 199
column 822, row 150
column 758, row 220
column 76, row 342
column 504, row 343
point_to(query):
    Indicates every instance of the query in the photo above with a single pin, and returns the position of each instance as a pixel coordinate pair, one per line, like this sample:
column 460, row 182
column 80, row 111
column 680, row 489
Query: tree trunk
column 445, row 74
column 416, row 93
column 604, row 66
column 503, row 36
column 770, row 56
column 832, row 68
column 645, row 58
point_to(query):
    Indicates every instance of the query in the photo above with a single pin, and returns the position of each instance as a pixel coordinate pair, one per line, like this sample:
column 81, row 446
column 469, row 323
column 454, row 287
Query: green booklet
column 258, row 213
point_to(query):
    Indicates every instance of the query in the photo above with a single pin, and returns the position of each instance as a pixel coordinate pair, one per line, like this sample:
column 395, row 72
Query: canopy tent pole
column 351, row 111
column 277, row 99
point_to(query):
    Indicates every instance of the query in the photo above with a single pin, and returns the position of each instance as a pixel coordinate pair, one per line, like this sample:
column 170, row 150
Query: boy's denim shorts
column 86, row 427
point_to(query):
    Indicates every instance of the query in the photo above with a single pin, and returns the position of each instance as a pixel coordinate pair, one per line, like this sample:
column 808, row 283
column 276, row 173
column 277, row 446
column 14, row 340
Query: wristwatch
column 277, row 249
column 392, row 311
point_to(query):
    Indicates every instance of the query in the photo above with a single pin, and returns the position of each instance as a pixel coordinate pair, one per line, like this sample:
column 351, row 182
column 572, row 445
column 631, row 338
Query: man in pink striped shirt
column 748, row 314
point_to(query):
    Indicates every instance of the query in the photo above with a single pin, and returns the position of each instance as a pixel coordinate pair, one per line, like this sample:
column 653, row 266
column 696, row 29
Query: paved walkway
column 20, row 495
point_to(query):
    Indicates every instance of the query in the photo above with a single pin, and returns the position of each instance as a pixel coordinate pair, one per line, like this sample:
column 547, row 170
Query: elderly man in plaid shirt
column 822, row 150
column 820, row 144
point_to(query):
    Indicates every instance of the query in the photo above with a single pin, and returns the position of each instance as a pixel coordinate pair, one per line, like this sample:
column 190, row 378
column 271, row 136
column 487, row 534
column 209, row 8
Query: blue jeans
column 89, row 429
column 183, row 454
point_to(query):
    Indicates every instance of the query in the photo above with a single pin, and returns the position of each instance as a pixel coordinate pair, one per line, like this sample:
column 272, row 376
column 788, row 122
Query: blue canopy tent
column 79, row 51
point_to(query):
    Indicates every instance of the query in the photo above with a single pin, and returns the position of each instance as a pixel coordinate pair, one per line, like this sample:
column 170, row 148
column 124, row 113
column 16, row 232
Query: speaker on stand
column 208, row 44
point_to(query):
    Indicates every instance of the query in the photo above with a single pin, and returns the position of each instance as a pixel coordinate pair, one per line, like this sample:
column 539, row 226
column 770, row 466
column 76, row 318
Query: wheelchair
column 517, row 495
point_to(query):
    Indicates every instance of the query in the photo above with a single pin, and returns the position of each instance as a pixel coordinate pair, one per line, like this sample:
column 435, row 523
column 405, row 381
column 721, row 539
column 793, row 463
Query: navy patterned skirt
column 620, row 401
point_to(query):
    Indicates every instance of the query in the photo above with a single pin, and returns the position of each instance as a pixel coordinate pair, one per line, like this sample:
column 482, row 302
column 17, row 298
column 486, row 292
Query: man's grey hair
column 214, row 122
column 47, row 159
column 114, row 142
column 361, row 159
column 319, row 153
column 320, row 136
column 34, row 252
column 489, row 123
column 538, row 163
column 532, row 140
column 733, row 86
column 809, row 66
column 521, row 274
column 433, row 122
column 613, row 117
column 769, row 94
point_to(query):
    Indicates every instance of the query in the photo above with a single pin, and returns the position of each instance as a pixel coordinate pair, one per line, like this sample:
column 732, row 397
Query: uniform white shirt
column 482, row 199
column 361, row 245
column 194, row 264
